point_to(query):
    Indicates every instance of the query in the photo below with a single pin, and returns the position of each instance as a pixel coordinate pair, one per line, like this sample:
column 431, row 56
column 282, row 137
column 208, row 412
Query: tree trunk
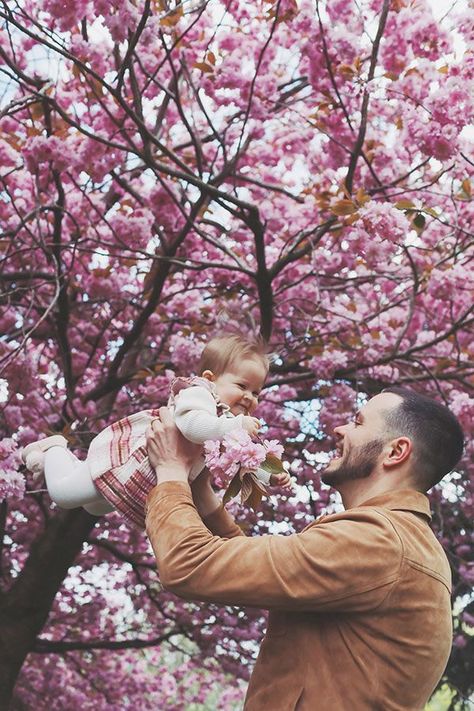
column 25, row 607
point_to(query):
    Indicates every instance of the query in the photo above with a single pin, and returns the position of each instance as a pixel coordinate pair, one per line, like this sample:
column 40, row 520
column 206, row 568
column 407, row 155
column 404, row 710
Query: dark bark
column 25, row 607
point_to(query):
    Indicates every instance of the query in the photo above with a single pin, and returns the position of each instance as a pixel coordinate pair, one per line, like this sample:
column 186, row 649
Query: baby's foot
column 33, row 454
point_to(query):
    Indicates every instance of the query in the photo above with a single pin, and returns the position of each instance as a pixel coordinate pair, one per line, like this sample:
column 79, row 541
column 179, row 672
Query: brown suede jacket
column 360, row 614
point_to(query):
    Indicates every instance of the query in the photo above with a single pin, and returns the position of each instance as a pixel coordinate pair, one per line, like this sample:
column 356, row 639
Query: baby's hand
column 281, row 479
column 251, row 425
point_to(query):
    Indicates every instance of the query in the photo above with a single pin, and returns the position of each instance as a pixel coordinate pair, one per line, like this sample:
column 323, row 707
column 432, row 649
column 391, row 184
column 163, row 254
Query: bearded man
column 360, row 613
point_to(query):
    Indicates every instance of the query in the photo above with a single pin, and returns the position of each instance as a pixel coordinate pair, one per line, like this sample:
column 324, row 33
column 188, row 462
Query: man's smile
column 339, row 452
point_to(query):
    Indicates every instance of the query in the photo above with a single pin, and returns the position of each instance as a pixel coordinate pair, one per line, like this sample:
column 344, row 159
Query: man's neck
column 354, row 493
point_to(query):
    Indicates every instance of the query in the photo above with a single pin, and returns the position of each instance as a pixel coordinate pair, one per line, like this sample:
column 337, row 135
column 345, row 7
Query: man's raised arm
column 211, row 510
column 323, row 568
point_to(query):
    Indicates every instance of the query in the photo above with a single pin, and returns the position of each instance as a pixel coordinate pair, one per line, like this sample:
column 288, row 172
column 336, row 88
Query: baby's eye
column 242, row 386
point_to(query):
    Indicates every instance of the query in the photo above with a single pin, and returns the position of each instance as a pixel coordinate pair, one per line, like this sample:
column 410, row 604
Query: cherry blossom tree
column 294, row 167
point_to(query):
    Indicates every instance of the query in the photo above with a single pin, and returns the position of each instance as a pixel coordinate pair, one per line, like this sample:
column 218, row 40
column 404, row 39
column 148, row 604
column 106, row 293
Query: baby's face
column 240, row 386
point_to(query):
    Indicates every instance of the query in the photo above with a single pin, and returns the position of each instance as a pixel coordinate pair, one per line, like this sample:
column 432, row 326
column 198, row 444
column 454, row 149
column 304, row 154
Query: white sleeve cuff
column 263, row 476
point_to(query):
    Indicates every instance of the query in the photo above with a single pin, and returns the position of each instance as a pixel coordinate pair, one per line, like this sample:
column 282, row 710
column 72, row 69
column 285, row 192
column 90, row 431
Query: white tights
column 70, row 483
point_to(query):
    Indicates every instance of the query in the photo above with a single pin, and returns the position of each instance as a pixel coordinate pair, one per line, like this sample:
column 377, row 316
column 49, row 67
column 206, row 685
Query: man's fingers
column 166, row 416
column 149, row 432
column 155, row 426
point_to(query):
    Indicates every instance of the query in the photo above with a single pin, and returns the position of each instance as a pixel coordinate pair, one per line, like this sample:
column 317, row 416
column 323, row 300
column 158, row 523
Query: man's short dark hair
column 436, row 434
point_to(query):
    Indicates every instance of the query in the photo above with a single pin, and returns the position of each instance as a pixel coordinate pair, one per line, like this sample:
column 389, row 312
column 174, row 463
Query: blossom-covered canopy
column 168, row 169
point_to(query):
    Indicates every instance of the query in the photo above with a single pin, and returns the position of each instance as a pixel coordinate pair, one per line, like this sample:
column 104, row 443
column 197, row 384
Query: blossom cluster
column 12, row 482
column 162, row 163
column 237, row 453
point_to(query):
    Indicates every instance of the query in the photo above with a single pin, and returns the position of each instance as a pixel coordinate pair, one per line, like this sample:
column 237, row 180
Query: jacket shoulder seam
column 429, row 571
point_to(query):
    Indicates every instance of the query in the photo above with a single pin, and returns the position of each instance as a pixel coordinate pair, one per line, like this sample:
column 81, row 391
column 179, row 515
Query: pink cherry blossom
column 42, row 149
column 171, row 169
column 384, row 221
column 12, row 484
column 274, row 447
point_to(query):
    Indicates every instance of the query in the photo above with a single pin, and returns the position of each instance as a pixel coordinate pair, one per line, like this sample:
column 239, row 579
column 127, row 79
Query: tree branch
column 45, row 646
column 365, row 100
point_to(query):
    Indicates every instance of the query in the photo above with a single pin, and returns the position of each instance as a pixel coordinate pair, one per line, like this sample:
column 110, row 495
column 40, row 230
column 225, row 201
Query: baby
column 117, row 473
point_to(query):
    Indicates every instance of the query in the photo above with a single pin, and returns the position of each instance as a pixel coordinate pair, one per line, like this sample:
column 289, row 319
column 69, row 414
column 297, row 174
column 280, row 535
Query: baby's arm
column 282, row 479
column 99, row 508
column 196, row 416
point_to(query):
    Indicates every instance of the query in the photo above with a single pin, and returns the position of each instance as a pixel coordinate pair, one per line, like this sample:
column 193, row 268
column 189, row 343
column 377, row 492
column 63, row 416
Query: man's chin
column 331, row 475
column 329, row 478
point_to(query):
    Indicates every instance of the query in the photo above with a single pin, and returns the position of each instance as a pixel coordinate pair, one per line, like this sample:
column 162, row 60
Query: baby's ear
column 209, row 375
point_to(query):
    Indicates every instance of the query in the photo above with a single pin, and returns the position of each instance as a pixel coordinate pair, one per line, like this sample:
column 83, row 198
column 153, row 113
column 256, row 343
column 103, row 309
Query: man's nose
column 339, row 431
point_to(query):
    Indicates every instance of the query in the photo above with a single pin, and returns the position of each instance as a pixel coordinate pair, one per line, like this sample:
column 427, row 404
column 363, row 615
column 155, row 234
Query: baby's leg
column 99, row 508
column 69, row 480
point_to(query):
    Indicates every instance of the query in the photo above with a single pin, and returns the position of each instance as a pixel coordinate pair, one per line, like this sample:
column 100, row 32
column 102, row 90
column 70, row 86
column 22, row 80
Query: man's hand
column 170, row 454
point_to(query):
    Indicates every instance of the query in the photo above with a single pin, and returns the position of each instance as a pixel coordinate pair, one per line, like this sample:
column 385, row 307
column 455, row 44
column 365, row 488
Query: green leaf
column 233, row 488
column 272, row 464
column 430, row 211
column 254, row 499
column 344, row 207
column 419, row 221
column 404, row 205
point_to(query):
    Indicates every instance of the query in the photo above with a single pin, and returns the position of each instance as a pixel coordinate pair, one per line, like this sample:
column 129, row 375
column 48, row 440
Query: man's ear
column 398, row 452
column 209, row 375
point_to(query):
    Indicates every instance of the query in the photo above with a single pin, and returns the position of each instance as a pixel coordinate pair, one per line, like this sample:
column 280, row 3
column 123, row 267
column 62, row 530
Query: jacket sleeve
column 196, row 416
column 221, row 523
column 349, row 562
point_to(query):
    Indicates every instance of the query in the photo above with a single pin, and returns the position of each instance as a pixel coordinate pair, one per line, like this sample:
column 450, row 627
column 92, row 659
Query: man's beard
column 358, row 463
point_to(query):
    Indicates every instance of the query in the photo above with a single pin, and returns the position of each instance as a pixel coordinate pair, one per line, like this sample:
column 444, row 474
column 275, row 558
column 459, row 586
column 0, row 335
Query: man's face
column 360, row 442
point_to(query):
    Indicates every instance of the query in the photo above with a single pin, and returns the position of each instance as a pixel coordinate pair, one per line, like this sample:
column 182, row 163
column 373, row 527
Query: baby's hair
column 222, row 351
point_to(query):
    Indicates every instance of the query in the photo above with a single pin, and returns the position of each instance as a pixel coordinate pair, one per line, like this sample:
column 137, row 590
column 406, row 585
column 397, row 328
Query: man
column 359, row 601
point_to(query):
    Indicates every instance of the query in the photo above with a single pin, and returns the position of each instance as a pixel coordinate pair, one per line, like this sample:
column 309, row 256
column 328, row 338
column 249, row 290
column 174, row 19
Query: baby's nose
column 250, row 401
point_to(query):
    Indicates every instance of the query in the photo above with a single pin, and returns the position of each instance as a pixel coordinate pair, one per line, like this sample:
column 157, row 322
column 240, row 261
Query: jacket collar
column 402, row 500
